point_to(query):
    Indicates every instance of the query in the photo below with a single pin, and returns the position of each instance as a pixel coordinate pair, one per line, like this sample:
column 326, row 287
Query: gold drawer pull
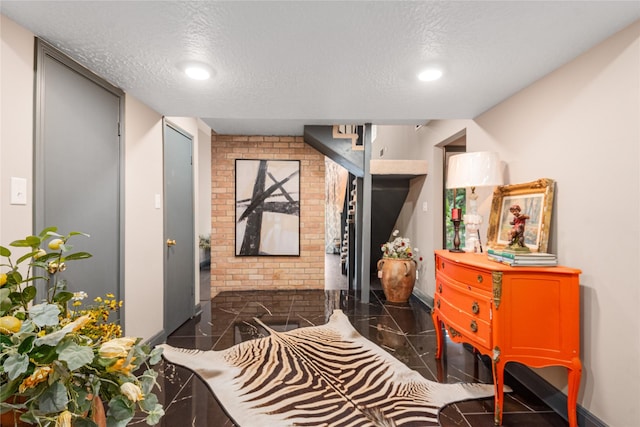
column 475, row 307
column 479, row 278
column 440, row 288
column 438, row 303
column 474, row 326
column 443, row 265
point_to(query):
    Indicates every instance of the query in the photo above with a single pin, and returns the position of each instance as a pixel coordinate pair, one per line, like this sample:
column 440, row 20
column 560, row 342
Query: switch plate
column 158, row 201
column 425, row 206
column 18, row 191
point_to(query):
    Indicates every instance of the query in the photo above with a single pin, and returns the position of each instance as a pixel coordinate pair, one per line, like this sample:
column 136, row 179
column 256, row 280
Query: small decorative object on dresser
column 521, row 314
column 397, row 268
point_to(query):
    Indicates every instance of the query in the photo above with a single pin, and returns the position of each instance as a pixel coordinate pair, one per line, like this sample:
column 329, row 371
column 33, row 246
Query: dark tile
column 405, row 331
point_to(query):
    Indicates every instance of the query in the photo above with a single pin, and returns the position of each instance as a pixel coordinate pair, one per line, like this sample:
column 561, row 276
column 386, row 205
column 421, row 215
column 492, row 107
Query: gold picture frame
column 536, row 201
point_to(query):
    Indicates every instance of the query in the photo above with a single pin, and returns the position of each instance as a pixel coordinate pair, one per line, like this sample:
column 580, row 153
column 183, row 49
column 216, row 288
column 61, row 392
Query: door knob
column 171, row 242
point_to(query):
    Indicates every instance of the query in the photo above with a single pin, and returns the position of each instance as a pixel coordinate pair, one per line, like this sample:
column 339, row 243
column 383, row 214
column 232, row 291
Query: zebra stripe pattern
column 320, row 376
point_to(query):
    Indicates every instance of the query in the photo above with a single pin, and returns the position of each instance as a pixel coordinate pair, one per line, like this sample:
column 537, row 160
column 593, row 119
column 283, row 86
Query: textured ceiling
column 282, row 64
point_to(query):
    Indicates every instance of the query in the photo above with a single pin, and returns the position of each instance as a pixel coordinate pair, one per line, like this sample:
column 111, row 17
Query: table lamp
column 471, row 170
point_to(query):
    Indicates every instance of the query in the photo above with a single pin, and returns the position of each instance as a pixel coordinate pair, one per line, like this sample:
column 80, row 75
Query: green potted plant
column 62, row 360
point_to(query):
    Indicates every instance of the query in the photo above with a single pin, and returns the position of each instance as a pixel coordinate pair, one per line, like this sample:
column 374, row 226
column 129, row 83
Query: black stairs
column 388, row 194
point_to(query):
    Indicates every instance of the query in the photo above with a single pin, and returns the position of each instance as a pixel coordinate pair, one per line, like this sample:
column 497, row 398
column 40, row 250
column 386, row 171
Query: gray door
column 179, row 240
column 77, row 170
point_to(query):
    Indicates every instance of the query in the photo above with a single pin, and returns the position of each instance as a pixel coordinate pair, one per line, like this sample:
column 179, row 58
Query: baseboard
column 550, row 395
column 426, row 300
column 533, row 382
column 159, row 338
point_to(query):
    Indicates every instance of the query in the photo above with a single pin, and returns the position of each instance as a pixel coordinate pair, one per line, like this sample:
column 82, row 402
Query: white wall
column 204, row 178
column 580, row 126
column 16, row 127
column 144, row 232
column 143, row 223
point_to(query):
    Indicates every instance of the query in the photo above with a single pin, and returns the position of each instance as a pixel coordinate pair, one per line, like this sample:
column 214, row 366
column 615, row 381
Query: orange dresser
column 512, row 314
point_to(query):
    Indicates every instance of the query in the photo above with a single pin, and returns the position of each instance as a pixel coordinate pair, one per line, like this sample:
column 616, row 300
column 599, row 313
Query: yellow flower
column 3, row 279
column 119, row 366
column 9, row 325
column 54, row 337
column 39, row 254
column 117, row 347
column 64, row 419
column 81, row 322
column 55, row 244
column 131, row 391
column 39, row 375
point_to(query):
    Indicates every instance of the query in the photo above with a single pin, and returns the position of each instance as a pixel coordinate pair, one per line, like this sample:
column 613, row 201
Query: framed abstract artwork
column 535, row 200
column 267, row 203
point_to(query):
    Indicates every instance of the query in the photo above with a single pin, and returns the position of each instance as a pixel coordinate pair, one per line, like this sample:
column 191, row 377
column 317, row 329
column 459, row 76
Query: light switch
column 425, row 207
column 158, row 201
column 18, row 191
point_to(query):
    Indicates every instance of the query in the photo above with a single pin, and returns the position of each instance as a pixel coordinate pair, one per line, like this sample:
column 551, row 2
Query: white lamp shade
column 479, row 169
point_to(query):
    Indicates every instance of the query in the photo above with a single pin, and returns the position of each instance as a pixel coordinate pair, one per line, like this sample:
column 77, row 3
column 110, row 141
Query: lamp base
column 472, row 232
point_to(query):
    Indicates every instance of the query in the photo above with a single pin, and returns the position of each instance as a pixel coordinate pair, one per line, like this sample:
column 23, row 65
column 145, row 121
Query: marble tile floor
column 405, row 331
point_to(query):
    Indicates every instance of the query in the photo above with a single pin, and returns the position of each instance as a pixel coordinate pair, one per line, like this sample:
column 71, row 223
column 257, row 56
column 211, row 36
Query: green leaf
column 14, row 277
column 84, row 422
column 26, row 256
column 9, row 389
column 46, row 232
column 44, row 314
column 149, row 403
column 148, row 381
column 25, row 243
column 42, row 261
column 5, row 252
column 5, row 341
column 156, row 355
column 112, row 422
column 27, row 345
column 63, row 296
column 76, row 233
column 29, row 293
column 53, row 234
column 5, row 301
column 75, row 355
column 154, row 415
column 16, row 365
column 77, row 255
column 120, row 410
column 53, row 399
column 44, row 354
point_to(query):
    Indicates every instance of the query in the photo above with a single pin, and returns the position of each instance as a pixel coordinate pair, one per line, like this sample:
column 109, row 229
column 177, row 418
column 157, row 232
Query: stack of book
column 531, row 259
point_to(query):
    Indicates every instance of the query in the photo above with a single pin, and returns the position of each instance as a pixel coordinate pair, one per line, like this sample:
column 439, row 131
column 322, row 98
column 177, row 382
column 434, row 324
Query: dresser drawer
column 458, row 322
column 476, row 303
column 469, row 276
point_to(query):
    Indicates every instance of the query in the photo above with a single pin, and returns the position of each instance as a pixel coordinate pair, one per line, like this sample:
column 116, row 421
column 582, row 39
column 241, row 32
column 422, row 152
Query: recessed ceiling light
column 197, row 72
column 430, row 75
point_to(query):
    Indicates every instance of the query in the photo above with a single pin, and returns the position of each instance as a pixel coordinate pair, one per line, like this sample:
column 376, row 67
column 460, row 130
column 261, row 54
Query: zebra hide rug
column 326, row 375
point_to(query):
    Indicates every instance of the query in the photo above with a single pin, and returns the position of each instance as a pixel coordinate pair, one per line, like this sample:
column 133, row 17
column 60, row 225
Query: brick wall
column 229, row 272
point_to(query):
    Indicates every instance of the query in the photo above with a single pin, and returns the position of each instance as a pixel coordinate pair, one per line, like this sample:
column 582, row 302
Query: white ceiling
column 282, row 64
